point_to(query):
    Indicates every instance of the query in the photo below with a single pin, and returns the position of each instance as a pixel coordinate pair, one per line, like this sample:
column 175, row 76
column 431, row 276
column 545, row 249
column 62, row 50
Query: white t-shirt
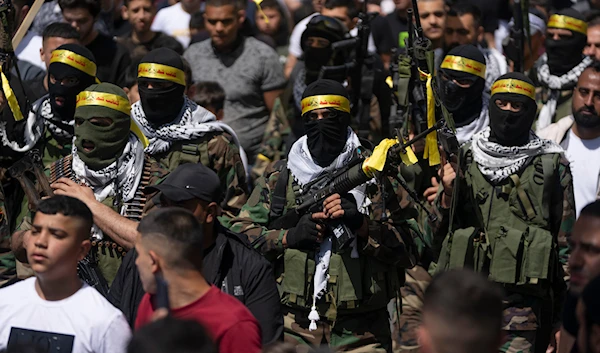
column 174, row 21
column 29, row 49
column 84, row 322
column 584, row 158
column 295, row 47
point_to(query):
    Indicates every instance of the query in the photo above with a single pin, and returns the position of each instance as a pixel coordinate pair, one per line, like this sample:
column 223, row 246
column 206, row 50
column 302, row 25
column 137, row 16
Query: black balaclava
column 162, row 105
column 315, row 58
column 69, row 60
column 326, row 137
column 564, row 54
column 103, row 100
column 512, row 128
column 467, row 63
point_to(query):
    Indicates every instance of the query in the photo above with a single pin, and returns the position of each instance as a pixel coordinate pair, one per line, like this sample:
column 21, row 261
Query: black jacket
column 231, row 265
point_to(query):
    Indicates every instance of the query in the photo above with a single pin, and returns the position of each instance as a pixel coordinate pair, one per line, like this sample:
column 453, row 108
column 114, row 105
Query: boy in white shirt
column 55, row 310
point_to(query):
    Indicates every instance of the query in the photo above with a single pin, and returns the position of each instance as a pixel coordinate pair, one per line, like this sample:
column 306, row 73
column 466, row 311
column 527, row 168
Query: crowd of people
column 226, row 176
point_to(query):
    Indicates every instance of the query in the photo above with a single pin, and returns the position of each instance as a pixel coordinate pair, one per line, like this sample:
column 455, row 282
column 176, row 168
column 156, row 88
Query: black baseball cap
column 189, row 181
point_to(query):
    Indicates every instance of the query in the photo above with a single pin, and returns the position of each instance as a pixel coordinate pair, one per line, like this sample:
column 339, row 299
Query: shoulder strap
column 279, row 199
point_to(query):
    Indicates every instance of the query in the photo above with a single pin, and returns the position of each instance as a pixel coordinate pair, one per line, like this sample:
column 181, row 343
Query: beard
column 590, row 120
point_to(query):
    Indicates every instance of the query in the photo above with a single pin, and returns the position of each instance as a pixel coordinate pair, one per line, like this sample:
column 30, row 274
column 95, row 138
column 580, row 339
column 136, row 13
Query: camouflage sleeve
column 565, row 215
column 392, row 240
column 225, row 160
column 7, row 258
column 253, row 219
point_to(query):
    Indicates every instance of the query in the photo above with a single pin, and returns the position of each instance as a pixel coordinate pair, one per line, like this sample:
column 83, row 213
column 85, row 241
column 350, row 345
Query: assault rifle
column 360, row 68
column 347, row 178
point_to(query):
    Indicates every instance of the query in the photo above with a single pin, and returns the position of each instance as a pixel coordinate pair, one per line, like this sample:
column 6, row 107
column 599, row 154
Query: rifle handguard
column 354, row 177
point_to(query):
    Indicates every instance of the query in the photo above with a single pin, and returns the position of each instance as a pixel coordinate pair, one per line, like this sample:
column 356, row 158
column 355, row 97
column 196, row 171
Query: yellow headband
column 311, row 103
column 115, row 102
column 566, row 22
column 162, row 72
column 77, row 61
column 107, row 100
column 458, row 63
column 515, row 86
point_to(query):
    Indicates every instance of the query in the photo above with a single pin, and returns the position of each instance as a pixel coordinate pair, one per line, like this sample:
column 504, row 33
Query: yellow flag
column 10, row 97
column 376, row 162
column 431, row 151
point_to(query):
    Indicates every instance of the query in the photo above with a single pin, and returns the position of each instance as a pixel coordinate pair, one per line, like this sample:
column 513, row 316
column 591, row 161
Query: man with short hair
column 112, row 58
column 55, row 35
column 142, row 39
column 180, row 131
column 463, row 26
column 170, row 247
column 229, row 262
column 210, row 95
column 584, row 266
column 433, row 20
column 579, row 135
column 173, row 336
column 462, row 313
column 54, row 310
column 175, row 20
column 592, row 47
column 559, row 68
column 248, row 70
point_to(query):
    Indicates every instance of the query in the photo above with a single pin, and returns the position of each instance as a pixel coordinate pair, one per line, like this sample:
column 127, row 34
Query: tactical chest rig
column 132, row 209
column 354, row 285
column 509, row 234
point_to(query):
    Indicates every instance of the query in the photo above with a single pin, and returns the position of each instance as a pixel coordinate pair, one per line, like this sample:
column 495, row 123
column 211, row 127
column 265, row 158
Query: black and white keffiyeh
column 497, row 162
column 556, row 84
column 122, row 176
column 39, row 117
column 304, row 169
column 193, row 122
column 465, row 133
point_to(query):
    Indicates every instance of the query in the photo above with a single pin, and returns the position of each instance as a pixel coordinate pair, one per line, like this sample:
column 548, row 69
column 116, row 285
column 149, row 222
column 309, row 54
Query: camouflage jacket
column 218, row 152
column 390, row 241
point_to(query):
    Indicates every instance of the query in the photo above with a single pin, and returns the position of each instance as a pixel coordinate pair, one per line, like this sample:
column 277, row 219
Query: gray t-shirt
column 245, row 74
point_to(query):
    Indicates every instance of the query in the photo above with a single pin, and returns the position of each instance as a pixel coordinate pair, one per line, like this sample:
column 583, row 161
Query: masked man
column 462, row 79
column 559, row 69
column 510, row 213
column 180, row 131
column 49, row 127
column 317, row 43
column 107, row 170
column 330, row 293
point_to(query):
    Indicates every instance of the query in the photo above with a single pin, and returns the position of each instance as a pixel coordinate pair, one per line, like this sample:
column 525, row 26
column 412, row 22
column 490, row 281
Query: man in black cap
column 180, row 131
column 229, row 261
column 510, row 213
column 559, row 69
column 331, row 291
column 49, row 126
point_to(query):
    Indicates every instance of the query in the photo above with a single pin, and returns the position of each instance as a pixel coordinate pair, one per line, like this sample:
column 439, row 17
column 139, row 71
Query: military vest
column 510, row 239
column 106, row 252
column 355, row 285
column 182, row 152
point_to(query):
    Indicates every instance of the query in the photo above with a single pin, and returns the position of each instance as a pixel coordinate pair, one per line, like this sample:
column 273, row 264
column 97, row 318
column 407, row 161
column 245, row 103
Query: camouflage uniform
column 7, row 259
column 218, row 152
column 532, row 308
column 108, row 251
column 355, row 318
